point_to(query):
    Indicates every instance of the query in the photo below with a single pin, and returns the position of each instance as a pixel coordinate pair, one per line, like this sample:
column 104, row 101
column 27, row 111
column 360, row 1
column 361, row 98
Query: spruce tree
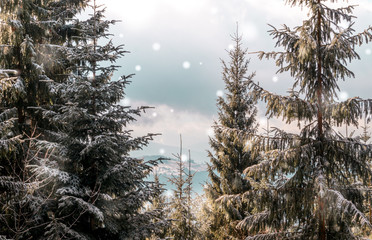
column 25, row 42
column 312, row 184
column 236, row 112
column 160, row 206
column 182, row 227
column 98, row 189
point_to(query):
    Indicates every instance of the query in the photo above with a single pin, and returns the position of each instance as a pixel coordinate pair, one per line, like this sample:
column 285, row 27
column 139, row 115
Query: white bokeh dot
column 138, row 68
column 263, row 122
column 156, row 46
column 161, row 151
column 201, row 63
column 231, row 46
column 184, row 157
column 121, row 35
column 210, row 132
column 219, row 93
column 186, row 65
column 368, row 51
column 126, row 101
column 172, row 110
column 343, row 96
column 275, row 78
column 154, row 114
column 169, row 193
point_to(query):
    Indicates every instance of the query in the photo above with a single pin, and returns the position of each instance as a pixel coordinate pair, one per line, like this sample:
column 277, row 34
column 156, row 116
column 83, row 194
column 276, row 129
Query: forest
column 66, row 169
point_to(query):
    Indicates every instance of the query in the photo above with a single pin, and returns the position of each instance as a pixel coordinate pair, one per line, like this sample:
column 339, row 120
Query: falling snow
column 184, row 157
column 156, row 46
column 186, row 65
column 343, row 96
column 263, row 122
column 368, row 51
column 154, row 114
column 121, row 35
column 169, row 193
column 219, row 93
column 275, row 78
column 126, row 101
column 138, row 68
column 210, row 132
column 172, row 110
column 161, row 151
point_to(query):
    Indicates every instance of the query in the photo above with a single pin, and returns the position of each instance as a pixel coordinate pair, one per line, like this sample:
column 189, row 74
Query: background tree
column 160, row 206
column 230, row 159
column 312, row 184
column 182, row 227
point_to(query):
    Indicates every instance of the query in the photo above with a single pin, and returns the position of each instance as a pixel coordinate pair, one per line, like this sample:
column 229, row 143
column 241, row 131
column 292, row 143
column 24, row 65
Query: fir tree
column 160, row 206
column 312, row 184
column 25, row 43
column 365, row 136
column 99, row 189
column 182, row 227
column 230, row 159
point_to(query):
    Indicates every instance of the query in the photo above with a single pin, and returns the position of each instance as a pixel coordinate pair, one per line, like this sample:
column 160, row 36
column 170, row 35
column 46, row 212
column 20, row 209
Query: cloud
column 171, row 122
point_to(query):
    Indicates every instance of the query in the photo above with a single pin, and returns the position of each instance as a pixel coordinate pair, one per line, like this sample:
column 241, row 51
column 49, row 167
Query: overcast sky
column 176, row 47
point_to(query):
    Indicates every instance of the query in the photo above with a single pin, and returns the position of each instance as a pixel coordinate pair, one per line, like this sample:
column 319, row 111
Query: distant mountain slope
column 169, row 167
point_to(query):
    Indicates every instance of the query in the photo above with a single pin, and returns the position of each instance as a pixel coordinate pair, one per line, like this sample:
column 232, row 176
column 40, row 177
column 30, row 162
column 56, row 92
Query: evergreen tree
column 25, row 43
column 182, row 227
column 99, row 189
column 230, row 159
column 312, row 184
column 365, row 136
column 160, row 206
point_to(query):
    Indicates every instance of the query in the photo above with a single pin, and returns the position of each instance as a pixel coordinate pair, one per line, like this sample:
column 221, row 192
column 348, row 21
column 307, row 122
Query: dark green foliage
column 99, row 189
column 24, row 85
column 313, row 185
column 236, row 112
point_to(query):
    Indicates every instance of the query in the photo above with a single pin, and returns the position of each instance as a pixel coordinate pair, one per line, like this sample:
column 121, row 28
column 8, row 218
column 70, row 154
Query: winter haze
column 176, row 47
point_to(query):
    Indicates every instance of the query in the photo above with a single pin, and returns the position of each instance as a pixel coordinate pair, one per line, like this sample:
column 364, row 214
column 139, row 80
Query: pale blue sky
column 176, row 47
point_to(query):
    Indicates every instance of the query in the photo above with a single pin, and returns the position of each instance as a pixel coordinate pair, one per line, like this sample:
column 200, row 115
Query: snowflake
column 169, row 193
column 248, row 145
column 126, row 101
column 121, row 35
column 230, row 47
column 172, row 110
column 219, row 93
column 138, row 68
column 343, row 96
column 184, row 157
column 275, row 78
column 154, row 114
column 201, row 63
column 161, row 151
column 368, row 51
column 186, row 65
column 210, row 132
column 263, row 121
column 156, row 46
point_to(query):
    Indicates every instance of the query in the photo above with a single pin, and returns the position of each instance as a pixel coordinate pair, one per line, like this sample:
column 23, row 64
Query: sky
column 176, row 47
